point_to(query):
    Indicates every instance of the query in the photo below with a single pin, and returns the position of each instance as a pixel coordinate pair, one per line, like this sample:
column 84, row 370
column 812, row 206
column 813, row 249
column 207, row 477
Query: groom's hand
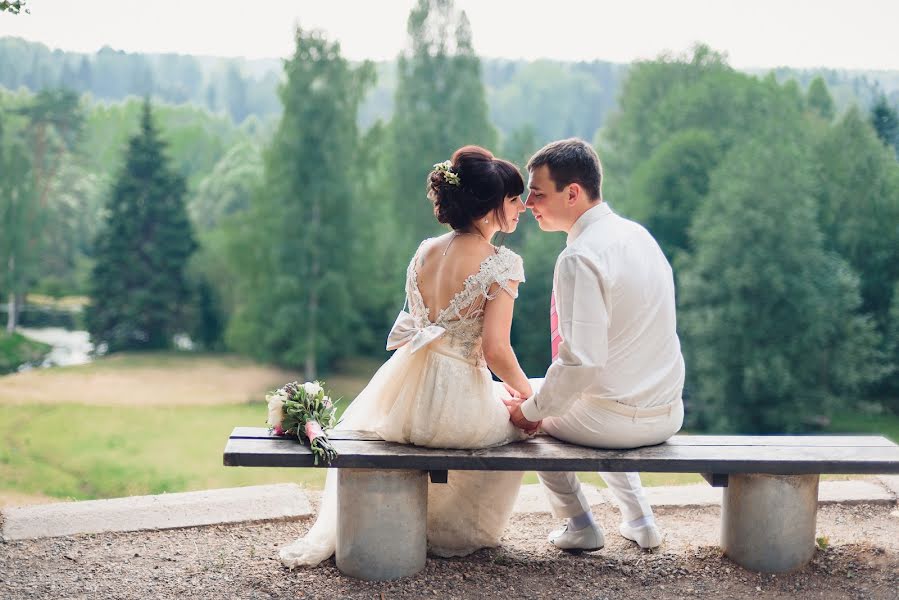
column 518, row 419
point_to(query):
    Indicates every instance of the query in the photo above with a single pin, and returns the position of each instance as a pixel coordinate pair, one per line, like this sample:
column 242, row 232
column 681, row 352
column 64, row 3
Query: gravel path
column 240, row 561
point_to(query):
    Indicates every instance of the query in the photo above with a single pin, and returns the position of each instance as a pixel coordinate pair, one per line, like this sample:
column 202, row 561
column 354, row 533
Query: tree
column 48, row 125
column 293, row 254
column 236, row 93
column 229, row 186
column 858, row 198
column 530, row 327
column 18, row 218
column 670, row 186
column 140, row 294
column 770, row 320
column 819, row 100
column 697, row 92
column 886, row 123
column 440, row 105
column 891, row 384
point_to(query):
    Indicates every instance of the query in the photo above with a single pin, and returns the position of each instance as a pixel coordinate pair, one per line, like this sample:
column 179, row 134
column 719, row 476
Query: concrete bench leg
column 768, row 521
column 381, row 523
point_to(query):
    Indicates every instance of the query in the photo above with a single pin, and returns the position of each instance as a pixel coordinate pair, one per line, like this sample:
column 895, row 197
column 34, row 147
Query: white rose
column 312, row 388
column 275, row 409
column 327, row 401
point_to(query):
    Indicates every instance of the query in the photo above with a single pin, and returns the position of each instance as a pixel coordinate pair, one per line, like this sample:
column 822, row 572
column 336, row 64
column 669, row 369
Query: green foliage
column 770, row 320
column 304, row 244
column 228, row 187
column 295, row 304
column 530, row 95
column 819, row 100
column 530, row 327
column 140, row 294
column 239, row 86
column 699, row 92
column 886, row 123
column 196, row 139
column 890, row 388
column 38, row 215
column 858, row 196
column 16, row 350
column 440, row 105
column 670, row 186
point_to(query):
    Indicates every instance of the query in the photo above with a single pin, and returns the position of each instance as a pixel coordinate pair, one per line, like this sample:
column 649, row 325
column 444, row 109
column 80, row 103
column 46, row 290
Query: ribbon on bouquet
column 405, row 331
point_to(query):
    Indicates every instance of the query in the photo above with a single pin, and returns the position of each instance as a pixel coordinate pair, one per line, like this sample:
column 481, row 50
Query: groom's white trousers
column 607, row 424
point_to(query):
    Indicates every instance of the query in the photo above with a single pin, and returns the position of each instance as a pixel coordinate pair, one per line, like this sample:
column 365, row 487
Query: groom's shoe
column 589, row 538
column 647, row 536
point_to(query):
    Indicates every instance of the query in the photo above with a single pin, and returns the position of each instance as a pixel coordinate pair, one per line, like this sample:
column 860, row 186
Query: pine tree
column 140, row 293
column 440, row 105
column 886, row 123
column 819, row 100
column 295, row 255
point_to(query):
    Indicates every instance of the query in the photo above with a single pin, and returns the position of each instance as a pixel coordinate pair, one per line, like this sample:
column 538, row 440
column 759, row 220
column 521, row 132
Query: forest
column 270, row 208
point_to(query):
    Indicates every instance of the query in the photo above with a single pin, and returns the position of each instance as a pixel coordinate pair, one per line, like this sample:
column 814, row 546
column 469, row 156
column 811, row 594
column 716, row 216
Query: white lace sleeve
column 504, row 268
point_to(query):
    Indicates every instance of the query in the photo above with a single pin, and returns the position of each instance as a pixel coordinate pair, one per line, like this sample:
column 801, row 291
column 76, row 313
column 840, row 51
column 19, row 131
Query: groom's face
column 546, row 202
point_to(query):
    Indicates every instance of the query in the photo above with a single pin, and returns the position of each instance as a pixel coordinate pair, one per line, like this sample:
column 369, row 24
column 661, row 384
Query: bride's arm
column 498, row 351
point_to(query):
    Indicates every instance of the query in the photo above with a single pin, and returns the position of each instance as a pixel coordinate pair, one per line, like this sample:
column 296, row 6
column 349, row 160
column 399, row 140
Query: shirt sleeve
column 584, row 350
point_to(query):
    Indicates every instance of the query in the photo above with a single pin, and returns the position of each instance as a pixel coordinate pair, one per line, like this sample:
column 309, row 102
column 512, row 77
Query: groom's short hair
column 571, row 161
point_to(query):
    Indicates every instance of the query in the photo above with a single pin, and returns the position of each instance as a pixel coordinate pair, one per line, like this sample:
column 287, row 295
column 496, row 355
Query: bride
column 436, row 390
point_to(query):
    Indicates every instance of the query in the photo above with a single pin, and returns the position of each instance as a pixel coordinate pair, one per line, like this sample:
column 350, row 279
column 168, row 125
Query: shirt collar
column 590, row 216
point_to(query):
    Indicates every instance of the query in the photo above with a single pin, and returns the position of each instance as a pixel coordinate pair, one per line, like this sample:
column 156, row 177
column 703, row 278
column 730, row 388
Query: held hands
column 514, row 405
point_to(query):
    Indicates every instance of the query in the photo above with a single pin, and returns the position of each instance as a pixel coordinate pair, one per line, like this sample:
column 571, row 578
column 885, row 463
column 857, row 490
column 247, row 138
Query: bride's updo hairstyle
column 471, row 185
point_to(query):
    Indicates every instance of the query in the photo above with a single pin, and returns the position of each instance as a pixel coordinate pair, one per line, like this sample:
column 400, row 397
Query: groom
column 617, row 372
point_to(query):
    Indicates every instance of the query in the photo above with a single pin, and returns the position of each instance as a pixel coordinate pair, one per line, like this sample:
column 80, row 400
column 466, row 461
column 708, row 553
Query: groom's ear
column 574, row 192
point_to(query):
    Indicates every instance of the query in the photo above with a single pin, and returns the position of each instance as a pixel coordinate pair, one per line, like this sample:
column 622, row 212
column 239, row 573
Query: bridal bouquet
column 303, row 410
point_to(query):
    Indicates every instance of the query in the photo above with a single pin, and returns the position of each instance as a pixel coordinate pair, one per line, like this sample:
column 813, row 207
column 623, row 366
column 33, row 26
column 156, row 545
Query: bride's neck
column 487, row 232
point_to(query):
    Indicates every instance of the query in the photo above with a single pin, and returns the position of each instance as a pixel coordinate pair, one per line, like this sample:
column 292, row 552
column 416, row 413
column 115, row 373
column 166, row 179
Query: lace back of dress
column 463, row 317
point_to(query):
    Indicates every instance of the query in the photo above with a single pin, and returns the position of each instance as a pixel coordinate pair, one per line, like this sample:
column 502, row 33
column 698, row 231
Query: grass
column 82, row 452
column 16, row 349
column 883, row 423
column 66, row 449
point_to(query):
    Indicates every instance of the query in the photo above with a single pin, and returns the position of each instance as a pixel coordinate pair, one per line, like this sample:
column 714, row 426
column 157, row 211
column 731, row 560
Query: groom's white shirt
column 615, row 300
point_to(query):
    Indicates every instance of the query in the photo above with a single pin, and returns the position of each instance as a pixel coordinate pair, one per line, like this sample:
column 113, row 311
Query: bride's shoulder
column 509, row 264
column 507, row 254
column 425, row 244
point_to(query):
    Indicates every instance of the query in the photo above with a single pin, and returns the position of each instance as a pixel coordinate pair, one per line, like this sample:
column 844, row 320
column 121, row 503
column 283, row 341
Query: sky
column 860, row 34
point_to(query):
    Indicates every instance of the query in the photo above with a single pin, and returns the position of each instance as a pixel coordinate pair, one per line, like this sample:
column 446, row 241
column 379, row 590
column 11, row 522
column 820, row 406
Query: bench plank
column 682, row 454
column 853, row 441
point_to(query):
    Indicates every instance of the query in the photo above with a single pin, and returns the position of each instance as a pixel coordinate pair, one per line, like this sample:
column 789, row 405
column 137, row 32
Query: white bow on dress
column 405, row 331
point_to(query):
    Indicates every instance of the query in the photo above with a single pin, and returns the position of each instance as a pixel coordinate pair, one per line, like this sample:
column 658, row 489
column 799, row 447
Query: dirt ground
column 861, row 560
column 197, row 381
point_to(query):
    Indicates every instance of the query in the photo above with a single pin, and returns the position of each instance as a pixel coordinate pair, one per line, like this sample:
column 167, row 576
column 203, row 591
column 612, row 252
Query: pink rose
column 278, row 430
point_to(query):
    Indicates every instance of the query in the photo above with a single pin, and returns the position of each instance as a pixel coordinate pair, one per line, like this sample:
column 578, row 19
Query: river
column 69, row 347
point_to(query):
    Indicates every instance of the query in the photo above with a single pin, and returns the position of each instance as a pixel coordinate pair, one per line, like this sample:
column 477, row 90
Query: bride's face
column 512, row 207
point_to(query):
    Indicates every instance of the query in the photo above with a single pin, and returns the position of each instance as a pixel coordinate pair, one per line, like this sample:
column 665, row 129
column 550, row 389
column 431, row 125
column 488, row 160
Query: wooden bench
column 769, row 503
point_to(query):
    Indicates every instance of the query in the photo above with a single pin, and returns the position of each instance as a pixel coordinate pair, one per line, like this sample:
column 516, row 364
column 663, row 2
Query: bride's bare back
column 446, row 263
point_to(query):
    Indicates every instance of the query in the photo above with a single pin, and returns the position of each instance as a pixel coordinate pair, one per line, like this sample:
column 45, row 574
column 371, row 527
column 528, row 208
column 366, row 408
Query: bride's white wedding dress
column 436, row 391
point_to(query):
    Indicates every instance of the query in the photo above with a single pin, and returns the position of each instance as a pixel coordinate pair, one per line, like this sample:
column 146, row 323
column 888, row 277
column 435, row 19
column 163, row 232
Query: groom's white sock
column 580, row 521
column 642, row 521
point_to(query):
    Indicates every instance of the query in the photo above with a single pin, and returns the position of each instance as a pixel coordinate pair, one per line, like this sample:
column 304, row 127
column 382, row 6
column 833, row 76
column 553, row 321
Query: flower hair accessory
column 451, row 177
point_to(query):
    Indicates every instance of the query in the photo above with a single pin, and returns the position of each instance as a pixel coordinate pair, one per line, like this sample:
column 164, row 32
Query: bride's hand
column 518, row 419
column 512, row 391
